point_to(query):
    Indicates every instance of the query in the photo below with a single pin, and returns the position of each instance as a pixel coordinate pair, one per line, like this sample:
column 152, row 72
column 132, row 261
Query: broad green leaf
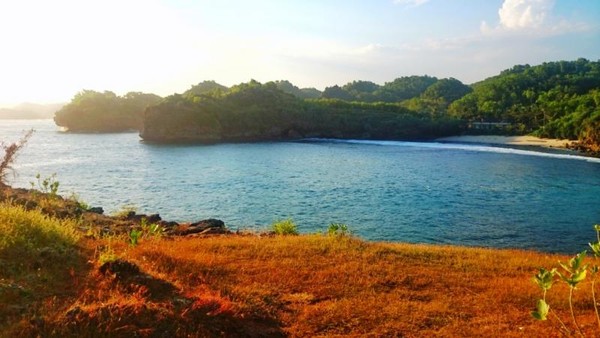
column 542, row 309
column 544, row 278
column 576, row 261
column 579, row 276
column 595, row 248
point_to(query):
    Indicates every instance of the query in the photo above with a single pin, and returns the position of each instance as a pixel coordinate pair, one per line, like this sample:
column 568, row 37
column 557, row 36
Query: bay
column 418, row 192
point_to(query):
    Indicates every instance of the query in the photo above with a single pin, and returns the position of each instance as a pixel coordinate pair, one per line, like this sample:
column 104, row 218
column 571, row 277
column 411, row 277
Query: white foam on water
column 463, row 146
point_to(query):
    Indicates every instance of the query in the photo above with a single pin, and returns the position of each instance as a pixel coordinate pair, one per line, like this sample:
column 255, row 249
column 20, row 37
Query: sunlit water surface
column 393, row 191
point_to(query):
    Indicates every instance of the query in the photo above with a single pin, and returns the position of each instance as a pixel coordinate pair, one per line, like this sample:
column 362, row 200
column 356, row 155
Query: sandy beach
column 509, row 140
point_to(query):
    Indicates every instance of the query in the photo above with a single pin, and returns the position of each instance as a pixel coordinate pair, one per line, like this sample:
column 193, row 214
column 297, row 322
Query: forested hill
column 555, row 99
column 258, row 112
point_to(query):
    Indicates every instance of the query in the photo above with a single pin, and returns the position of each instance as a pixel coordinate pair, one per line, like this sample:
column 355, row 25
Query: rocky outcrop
column 209, row 226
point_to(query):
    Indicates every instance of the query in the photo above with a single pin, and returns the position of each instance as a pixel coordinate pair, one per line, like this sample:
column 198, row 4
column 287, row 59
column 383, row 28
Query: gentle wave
column 461, row 146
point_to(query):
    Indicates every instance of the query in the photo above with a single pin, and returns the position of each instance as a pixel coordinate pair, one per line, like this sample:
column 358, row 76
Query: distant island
column 91, row 111
column 553, row 100
column 30, row 111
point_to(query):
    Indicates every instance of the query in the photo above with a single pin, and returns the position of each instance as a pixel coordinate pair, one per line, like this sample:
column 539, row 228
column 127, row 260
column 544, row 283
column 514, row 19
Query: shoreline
column 525, row 140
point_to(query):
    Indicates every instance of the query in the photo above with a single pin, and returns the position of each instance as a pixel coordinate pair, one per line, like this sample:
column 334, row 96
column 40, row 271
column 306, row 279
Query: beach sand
column 508, row 140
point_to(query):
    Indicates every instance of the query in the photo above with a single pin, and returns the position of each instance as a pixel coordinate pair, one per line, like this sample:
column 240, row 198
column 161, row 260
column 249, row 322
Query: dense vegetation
column 554, row 99
column 254, row 111
column 91, row 111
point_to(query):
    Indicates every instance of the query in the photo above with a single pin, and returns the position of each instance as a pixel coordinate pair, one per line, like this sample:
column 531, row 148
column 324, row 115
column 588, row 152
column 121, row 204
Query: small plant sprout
column 572, row 273
column 575, row 274
column 156, row 230
column 151, row 230
column 134, row 237
column 337, row 229
column 48, row 185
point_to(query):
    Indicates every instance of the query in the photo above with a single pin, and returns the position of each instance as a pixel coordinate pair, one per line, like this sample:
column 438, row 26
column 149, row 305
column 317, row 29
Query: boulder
column 207, row 226
column 96, row 210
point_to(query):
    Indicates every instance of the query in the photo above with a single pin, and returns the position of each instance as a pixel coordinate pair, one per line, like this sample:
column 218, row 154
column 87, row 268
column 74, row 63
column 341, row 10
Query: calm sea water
column 392, row 191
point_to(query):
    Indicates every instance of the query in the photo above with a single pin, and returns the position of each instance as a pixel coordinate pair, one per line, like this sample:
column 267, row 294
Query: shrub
column 10, row 154
column 285, row 227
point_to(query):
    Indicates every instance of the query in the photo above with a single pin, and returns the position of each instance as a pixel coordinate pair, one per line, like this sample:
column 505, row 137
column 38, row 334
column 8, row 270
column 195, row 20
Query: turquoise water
column 393, row 191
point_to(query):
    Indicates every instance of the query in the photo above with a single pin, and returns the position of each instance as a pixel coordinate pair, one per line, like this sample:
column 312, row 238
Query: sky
column 50, row 50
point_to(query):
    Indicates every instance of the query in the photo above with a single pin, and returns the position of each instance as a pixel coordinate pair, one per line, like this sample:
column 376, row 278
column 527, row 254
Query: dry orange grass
column 311, row 286
column 326, row 286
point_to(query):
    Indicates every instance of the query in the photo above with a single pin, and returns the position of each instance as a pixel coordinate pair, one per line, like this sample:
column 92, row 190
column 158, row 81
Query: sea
column 416, row 192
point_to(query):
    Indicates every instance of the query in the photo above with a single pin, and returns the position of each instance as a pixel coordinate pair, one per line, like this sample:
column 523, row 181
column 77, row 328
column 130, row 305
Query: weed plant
column 146, row 231
column 48, row 185
column 285, row 227
column 572, row 274
column 338, row 229
column 10, row 155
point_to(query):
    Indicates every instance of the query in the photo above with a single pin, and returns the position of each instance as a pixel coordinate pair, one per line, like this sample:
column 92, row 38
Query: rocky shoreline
column 94, row 217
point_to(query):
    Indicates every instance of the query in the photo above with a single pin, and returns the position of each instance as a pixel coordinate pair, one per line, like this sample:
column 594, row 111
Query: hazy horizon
column 56, row 49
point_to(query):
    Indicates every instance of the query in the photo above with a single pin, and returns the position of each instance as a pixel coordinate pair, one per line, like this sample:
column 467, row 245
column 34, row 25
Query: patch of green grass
column 40, row 258
column 26, row 230
column 285, row 227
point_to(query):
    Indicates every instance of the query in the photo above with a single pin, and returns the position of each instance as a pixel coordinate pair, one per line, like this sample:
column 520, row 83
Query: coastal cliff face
column 590, row 140
column 255, row 112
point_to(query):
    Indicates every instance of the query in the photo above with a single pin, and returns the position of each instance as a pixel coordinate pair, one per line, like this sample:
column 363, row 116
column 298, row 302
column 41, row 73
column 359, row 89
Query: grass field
column 53, row 283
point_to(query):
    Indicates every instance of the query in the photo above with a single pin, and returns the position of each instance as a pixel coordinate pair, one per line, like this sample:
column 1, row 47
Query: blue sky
column 53, row 49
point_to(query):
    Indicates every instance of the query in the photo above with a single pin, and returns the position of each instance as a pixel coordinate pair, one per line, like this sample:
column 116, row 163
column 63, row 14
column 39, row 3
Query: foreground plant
column 48, row 185
column 285, row 227
column 573, row 273
column 146, row 230
column 338, row 229
column 10, row 154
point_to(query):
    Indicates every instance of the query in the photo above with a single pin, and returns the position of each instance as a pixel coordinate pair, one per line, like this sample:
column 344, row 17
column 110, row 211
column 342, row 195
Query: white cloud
column 411, row 3
column 524, row 14
column 530, row 17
